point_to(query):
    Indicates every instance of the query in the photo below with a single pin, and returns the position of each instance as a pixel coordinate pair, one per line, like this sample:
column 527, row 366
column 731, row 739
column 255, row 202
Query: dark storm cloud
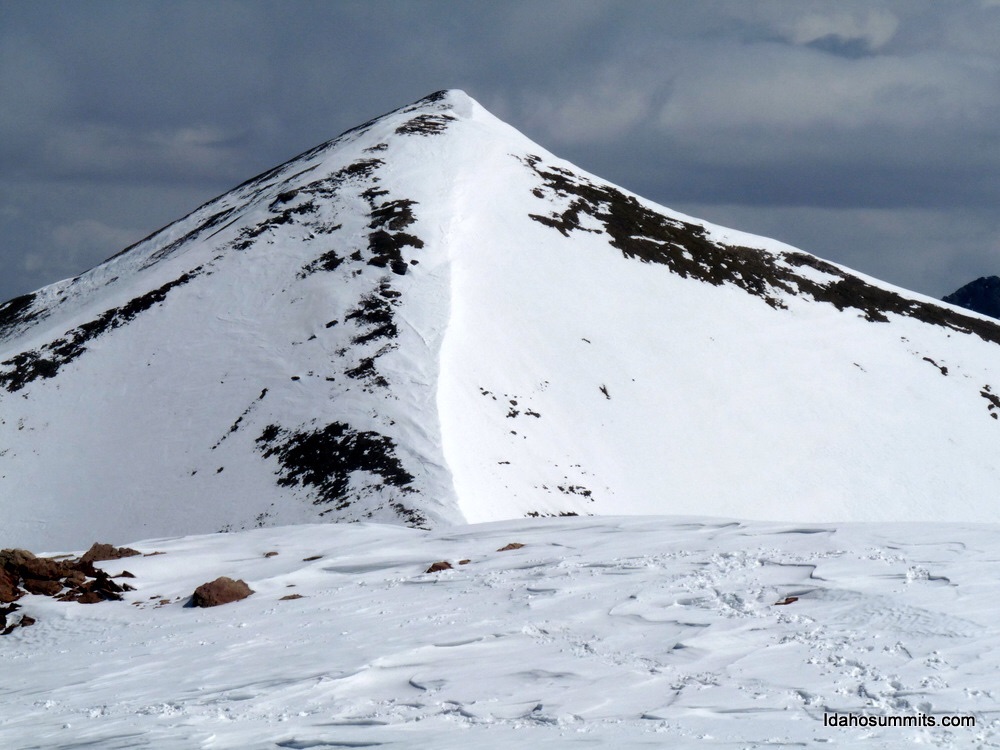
column 866, row 132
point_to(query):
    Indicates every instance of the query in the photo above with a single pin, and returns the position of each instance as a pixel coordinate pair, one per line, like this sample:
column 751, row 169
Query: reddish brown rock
column 220, row 591
column 46, row 588
column 104, row 586
column 13, row 559
column 76, row 578
column 512, row 545
column 45, row 569
column 439, row 566
column 99, row 552
column 8, row 587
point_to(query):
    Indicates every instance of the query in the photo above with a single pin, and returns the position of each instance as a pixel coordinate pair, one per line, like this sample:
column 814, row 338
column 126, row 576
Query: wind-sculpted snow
column 554, row 633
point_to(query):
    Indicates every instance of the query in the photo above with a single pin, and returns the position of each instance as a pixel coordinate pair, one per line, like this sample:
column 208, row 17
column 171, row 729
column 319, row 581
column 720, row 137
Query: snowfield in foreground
column 598, row 632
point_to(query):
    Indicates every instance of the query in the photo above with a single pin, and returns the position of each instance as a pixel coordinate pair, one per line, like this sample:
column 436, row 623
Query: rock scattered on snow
column 23, row 622
column 22, row 572
column 439, row 566
column 99, row 552
column 222, row 590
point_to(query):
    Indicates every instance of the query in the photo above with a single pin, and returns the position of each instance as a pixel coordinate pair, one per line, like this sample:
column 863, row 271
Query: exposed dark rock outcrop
column 646, row 235
column 325, row 459
column 46, row 361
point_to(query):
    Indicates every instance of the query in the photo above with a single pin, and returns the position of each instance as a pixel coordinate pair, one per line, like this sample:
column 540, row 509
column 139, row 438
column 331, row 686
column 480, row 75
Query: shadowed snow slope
column 431, row 319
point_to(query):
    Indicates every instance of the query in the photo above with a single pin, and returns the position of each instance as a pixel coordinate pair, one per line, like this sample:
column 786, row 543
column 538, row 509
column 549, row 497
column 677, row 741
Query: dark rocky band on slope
column 647, row 235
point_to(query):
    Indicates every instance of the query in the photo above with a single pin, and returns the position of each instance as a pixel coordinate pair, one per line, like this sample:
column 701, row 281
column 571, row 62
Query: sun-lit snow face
column 431, row 319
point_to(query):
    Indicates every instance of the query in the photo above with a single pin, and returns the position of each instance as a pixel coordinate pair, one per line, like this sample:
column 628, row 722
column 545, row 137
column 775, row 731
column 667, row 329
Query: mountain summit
column 431, row 319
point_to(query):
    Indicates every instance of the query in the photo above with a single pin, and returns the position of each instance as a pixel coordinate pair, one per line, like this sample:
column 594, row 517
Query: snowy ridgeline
column 597, row 632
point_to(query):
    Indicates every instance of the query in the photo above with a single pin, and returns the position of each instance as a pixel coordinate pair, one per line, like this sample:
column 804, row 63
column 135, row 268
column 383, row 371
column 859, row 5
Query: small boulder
column 512, row 545
column 99, row 552
column 220, row 591
column 439, row 566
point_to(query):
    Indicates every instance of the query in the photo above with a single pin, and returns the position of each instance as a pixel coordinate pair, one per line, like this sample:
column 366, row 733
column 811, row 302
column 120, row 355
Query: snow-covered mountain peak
column 431, row 319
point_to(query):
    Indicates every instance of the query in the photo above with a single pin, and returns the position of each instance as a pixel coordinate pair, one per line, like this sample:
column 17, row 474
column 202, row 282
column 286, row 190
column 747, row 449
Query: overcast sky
column 866, row 132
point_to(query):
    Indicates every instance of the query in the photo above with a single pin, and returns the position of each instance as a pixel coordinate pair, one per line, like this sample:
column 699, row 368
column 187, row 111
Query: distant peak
column 981, row 296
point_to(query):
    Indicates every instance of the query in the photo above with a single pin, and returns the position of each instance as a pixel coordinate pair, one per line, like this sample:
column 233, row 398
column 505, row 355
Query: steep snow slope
column 272, row 356
column 598, row 632
column 432, row 319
